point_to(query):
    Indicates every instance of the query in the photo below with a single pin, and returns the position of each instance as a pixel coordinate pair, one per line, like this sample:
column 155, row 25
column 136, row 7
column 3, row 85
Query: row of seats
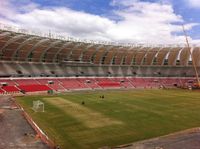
column 24, row 88
column 1, row 91
column 10, row 89
column 34, row 88
column 63, row 84
column 109, row 84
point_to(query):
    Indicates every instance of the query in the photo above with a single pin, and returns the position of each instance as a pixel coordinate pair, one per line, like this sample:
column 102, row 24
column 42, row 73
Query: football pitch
column 84, row 120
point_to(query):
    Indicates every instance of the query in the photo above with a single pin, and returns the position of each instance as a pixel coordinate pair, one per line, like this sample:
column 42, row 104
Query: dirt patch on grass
column 90, row 118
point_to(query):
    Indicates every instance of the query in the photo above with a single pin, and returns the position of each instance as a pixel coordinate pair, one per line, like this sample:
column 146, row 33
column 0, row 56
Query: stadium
column 74, row 73
column 65, row 92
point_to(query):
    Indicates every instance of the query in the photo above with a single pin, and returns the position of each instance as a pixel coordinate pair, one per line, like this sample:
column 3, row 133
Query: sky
column 124, row 21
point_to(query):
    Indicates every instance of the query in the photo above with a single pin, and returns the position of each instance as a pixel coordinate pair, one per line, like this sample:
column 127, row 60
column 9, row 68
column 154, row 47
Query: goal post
column 38, row 106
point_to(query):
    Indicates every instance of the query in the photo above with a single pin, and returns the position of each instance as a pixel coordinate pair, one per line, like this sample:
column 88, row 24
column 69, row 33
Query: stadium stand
column 35, row 63
column 63, row 84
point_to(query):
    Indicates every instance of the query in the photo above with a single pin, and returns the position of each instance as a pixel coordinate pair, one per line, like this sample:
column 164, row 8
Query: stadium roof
column 23, row 47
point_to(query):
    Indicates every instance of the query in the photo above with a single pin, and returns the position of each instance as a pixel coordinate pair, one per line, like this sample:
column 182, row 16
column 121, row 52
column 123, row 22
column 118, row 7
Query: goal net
column 38, row 106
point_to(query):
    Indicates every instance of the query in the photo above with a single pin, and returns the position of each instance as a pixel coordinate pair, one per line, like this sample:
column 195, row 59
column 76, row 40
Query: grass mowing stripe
column 90, row 118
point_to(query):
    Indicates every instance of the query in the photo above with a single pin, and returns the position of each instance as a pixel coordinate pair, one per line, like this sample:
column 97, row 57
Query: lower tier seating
column 9, row 89
column 63, row 84
column 34, row 88
column 109, row 84
column 1, row 91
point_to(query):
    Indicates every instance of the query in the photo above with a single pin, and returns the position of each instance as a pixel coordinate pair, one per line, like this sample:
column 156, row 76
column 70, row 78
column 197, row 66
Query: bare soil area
column 15, row 131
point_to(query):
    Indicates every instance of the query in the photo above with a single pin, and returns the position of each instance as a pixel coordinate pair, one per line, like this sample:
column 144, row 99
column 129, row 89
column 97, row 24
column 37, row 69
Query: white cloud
column 142, row 22
column 64, row 20
column 193, row 3
column 150, row 22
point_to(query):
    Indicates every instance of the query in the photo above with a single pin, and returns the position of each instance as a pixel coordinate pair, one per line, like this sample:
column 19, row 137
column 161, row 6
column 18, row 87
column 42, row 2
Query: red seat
column 26, row 81
column 1, row 91
column 10, row 89
column 71, row 83
column 55, row 86
column 34, row 88
column 8, row 82
column 109, row 84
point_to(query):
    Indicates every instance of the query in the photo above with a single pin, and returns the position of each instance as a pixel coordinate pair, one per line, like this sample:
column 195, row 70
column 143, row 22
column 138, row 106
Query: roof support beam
column 125, row 55
column 105, row 53
column 22, row 45
column 62, row 48
column 112, row 58
column 49, row 47
column 13, row 39
column 42, row 41
column 74, row 48
column 155, row 56
column 84, row 51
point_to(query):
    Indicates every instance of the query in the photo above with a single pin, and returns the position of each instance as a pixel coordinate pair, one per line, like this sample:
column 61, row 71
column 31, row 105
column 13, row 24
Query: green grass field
column 121, row 117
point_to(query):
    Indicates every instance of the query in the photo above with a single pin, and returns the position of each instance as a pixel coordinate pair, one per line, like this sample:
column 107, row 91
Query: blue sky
column 90, row 6
column 145, row 21
column 190, row 14
column 103, row 7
